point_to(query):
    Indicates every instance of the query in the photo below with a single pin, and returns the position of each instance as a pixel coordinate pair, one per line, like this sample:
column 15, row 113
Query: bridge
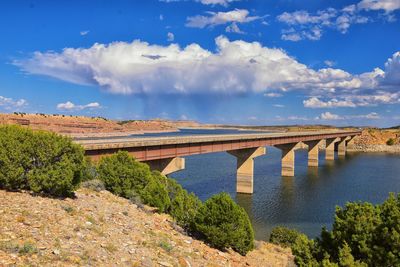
column 166, row 153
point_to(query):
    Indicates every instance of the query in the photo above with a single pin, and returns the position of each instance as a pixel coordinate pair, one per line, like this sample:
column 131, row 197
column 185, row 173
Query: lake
column 305, row 202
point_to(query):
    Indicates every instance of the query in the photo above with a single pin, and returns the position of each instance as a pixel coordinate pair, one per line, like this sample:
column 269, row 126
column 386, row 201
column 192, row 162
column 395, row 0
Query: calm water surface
column 305, row 202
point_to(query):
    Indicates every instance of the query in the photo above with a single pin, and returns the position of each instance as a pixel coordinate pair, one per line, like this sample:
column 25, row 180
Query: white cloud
column 386, row 5
column 331, row 116
column 170, row 37
column 161, row 17
column 303, row 17
column 69, row 106
column 314, row 102
column 291, row 34
column 219, row 18
column 224, row 3
column 309, row 26
column 273, row 94
column 279, row 106
column 11, row 104
column 234, row 28
column 329, row 63
column 235, row 67
column 83, row 33
column 391, row 75
column 216, row 2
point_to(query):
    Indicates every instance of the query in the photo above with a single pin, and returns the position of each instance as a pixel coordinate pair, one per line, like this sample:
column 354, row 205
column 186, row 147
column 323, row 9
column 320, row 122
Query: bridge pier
column 168, row 165
column 245, row 168
column 287, row 158
column 342, row 145
column 330, row 148
column 313, row 152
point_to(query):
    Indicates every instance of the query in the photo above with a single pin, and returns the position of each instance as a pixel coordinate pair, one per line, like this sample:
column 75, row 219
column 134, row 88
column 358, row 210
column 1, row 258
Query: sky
column 253, row 62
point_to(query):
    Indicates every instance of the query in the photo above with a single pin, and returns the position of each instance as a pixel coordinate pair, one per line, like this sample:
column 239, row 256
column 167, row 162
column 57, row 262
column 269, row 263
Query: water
column 305, row 202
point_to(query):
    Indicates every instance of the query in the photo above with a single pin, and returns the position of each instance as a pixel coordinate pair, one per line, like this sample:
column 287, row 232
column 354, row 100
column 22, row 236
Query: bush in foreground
column 362, row 235
column 155, row 193
column 225, row 224
column 184, row 206
column 40, row 161
column 123, row 175
column 283, row 236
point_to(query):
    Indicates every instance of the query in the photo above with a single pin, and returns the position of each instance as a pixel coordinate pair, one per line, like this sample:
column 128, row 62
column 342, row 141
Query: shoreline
column 395, row 149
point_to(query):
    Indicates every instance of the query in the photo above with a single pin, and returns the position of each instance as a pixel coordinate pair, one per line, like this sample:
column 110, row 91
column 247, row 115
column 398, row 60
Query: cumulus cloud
column 11, row 104
column 355, row 100
column 303, row 17
column 234, row 28
column 314, row 102
column 332, row 116
column 170, row 37
column 69, row 106
column 205, row 2
column 329, row 63
column 391, row 75
column 310, row 26
column 386, row 5
column 235, row 67
column 219, row 18
column 216, row 2
column 293, row 35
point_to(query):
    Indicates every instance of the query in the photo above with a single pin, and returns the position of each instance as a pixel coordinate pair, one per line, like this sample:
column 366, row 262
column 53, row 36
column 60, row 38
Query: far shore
column 116, row 134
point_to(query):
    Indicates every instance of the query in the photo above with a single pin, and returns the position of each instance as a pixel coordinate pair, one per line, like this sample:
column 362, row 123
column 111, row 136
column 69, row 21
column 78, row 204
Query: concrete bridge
column 165, row 153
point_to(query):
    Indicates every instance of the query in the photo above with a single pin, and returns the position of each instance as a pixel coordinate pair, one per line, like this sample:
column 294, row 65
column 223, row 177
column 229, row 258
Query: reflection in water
column 305, row 202
column 246, row 201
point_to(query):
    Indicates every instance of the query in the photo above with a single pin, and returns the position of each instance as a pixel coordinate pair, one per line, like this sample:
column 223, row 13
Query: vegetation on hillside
column 42, row 162
column 362, row 235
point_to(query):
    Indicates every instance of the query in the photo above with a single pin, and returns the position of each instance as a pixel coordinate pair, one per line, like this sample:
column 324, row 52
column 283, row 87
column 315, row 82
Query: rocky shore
column 374, row 148
column 100, row 229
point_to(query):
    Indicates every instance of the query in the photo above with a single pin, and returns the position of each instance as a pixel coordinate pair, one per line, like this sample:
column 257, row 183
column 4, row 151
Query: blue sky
column 215, row 61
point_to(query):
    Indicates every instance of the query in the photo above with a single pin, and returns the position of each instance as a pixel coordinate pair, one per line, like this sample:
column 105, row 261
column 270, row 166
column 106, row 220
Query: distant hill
column 77, row 126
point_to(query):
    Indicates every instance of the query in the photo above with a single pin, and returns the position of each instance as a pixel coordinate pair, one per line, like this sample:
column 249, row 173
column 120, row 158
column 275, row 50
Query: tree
column 224, row 224
column 184, row 206
column 40, row 161
column 123, row 175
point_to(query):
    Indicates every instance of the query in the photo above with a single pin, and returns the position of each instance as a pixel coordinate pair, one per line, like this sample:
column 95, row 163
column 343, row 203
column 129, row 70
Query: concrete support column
column 167, row 166
column 287, row 158
column 313, row 152
column 330, row 148
column 245, row 168
column 342, row 144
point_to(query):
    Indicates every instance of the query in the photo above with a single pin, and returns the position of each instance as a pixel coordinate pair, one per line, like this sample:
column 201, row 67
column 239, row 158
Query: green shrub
column 304, row 249
column 362, row 235
column 390, row 142
column 283, row 236
column 224, row 224
column 155, row 193
column 184, row 206
column 40, row 161
column 123, row 175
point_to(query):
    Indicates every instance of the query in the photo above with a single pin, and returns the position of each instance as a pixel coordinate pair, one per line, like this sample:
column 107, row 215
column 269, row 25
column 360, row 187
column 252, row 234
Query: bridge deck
column 151, row 148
